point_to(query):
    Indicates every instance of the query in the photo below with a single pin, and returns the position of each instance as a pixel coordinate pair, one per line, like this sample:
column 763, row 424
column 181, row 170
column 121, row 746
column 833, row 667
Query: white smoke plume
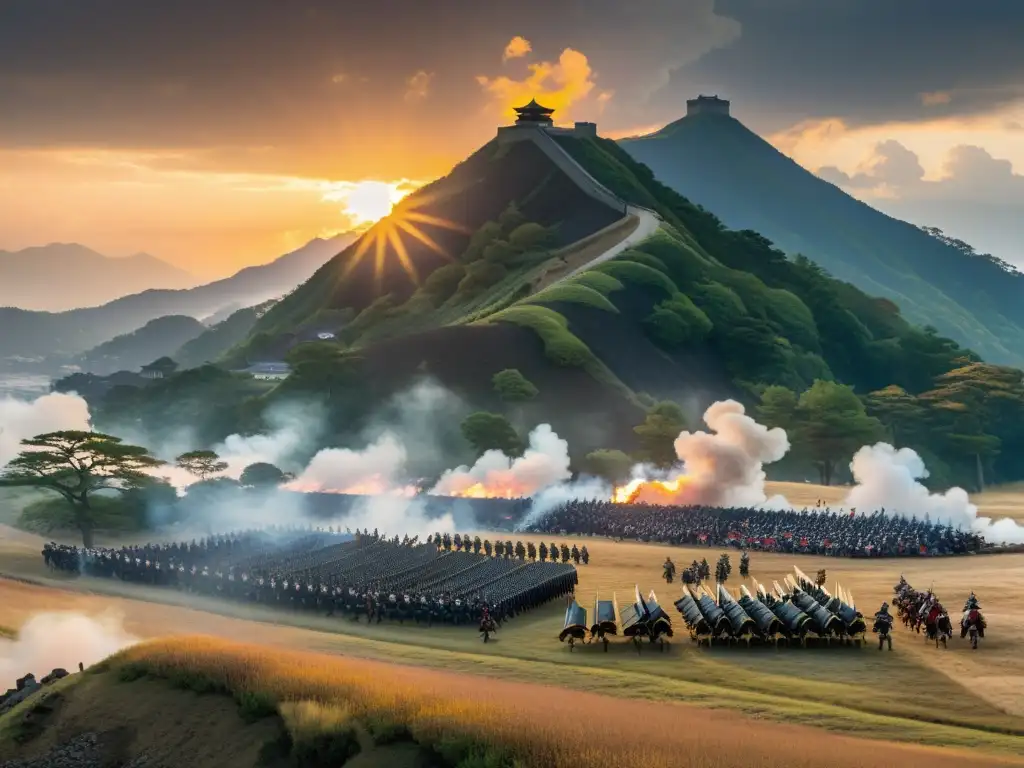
column 721, row 468
column 544, row 463
column 21, row 419
column 583, row 489
column 61, row 639
column 887, row 478
column 375, row 469
column 396, row 515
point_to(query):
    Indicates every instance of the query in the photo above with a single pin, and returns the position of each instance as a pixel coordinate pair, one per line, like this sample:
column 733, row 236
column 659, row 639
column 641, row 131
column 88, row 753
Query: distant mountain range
column 63, row 276
column 716, row 162
column 34, row 335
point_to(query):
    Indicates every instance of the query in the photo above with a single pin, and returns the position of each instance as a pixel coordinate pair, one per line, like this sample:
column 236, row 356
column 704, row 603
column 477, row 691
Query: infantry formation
column 361, row 574
column 924, row 610
column 818, row 531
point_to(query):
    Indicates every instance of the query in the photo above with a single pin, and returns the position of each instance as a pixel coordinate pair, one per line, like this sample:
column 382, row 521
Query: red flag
column 924, row 549
column 734, row 535
column 827, row 543
column 804, row 542
column 703, row 537
column 787, row 535
column 853, row 513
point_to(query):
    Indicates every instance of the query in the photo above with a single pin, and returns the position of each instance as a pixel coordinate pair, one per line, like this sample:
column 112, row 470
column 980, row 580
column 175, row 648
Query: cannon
column 606, row 620
column 824, row 623
column 741, row 626
column 699, row 628
column 768, row 624
column 636, row 619
column 797, row 623
column 840, row 605
column 659, row 624
column 715, row 616
column 575, row 626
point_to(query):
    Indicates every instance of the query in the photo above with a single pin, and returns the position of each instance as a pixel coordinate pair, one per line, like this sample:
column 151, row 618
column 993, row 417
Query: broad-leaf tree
column 658, row 434
column 201, row 464
column 491, row 431
column 263, row 475
column 78, row 464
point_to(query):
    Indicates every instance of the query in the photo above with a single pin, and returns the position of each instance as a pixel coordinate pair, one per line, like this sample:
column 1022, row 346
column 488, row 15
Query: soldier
column 584, row 555
column 668, row 570
column 883, row 626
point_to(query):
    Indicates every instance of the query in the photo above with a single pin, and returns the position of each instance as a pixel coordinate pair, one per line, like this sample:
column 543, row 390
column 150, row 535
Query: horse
column 938, row 627
column 973, row 625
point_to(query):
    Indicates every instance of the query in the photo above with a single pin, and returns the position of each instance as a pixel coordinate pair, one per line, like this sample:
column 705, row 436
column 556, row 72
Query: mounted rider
column 972, row 616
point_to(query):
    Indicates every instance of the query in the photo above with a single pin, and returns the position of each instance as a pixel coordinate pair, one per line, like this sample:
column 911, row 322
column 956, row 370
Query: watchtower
column 707, row 105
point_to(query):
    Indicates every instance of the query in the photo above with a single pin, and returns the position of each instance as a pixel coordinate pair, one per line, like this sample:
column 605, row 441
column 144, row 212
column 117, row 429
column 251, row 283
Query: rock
column 55, row 675
column 23, row 681
column 25, row 689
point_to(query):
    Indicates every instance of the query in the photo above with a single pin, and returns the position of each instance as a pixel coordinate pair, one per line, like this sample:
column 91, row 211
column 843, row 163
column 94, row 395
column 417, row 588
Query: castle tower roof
column 533, row 113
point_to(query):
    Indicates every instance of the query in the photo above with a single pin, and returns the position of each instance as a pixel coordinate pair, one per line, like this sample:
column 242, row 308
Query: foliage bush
column 721, row 304
column 500, row 252
column 479, row 240
column 572, row 294
column 609, row 464
column 599, row 281
column 512, row 386
column 639, row 274
column 681, row 262
column 678, row 322
column 480, row 275
column 442, row 283
column 560, row 345
column 639, row 257
column 531, row 237
column 491, row 431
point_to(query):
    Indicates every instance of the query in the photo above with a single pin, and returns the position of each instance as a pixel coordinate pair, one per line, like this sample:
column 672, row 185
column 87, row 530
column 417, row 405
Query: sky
column 221, row 134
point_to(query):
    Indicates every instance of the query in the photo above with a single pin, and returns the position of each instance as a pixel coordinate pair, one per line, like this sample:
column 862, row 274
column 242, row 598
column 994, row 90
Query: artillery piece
column 700, row 629
column 769, row 626
column 796, row 623
column 714, row 614
column 575, row 626
column 606, row 620
column 841, row 605
column 741, row 626
column 825, row 624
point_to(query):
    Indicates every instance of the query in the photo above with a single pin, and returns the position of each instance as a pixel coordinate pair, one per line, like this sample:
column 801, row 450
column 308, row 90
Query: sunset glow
column 366, row 202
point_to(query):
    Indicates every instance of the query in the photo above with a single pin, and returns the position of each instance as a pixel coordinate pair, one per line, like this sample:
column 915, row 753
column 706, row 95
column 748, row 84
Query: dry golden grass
column 537, row 726
column 952, row 697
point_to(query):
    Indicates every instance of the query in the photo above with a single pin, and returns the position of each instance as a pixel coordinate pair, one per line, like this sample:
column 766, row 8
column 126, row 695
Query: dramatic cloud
column 517, row 48
column 50, row 413
column 418, row 86
column 556, row 85
column 974, row 196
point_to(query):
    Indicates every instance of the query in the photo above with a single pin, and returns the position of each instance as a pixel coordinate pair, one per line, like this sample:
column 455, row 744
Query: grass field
column 954, row 698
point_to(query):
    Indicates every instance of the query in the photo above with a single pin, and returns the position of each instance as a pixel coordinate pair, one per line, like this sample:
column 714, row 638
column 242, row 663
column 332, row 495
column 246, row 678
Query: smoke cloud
column 61, row 639
column 20, row 419
column 544, row 463
column 887, row 478
column 375, row 469
column 721, row 468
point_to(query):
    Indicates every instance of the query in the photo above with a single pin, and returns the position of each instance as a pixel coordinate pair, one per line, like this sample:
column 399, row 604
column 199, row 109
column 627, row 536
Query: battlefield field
column 724, row 706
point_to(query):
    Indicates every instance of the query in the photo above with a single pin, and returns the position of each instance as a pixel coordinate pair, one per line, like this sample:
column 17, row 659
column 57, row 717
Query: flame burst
column 386, row 237
column 651, row 491
column 489, row 490
column 374, row 485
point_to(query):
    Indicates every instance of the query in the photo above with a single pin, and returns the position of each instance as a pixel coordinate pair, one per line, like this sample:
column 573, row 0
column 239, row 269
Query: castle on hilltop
column 533, row 116
column 707, row 105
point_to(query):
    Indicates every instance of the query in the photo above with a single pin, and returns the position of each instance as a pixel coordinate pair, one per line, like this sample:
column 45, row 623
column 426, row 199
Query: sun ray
column 378, row 268
column 423, row 237
column 426, row 218
column 361, row 249
column 403, row 255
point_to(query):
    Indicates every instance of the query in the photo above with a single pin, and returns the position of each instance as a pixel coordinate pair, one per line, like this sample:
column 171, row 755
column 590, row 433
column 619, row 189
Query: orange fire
column 651, row 491
column 485, row 491
column 371, row 486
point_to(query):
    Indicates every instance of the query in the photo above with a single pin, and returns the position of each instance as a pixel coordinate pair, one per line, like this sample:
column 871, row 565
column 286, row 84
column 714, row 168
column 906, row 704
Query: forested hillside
column 718, row 163
column 693, row 314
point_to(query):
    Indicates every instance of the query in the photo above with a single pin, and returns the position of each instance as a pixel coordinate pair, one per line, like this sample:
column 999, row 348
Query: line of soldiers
column 522, row 551
column 821, row 530
column 360, row 575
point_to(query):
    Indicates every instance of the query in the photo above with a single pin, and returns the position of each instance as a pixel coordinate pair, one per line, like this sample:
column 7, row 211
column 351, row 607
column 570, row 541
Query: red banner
column 734, row 535
column 827, row 543
column 787, row 535
column 924, row 549
column 703, row 537
column 804, row 542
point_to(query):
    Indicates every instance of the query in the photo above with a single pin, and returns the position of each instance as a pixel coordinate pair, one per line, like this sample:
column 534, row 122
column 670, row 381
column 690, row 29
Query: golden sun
column 370, row 201
column 385, row 237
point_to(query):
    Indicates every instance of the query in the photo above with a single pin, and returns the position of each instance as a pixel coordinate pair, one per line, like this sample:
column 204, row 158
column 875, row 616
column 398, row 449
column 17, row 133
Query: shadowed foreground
column 455, row 720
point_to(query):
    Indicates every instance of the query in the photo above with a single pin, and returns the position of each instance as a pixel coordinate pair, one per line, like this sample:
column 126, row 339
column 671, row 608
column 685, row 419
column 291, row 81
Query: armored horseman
column 972, row 622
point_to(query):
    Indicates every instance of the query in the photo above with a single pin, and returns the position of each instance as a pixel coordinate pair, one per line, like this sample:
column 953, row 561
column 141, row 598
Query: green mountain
column 563, row 258
column 131, row 351
column 719, row 164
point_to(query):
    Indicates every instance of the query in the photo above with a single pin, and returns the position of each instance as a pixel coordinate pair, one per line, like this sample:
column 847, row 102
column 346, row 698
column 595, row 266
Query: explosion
column 497, row 476
column 641, row 490
column 721, row 468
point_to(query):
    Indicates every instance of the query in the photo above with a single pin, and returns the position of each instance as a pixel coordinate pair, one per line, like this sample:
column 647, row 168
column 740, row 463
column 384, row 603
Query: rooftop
column 533, row 106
